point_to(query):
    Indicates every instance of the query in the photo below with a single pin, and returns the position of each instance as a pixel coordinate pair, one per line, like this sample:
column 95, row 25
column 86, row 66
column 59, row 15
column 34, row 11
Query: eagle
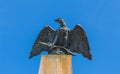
column 62, row 41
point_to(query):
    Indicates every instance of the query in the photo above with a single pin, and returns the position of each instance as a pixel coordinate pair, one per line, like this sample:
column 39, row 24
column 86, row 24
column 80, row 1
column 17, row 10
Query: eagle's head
column 61, row 21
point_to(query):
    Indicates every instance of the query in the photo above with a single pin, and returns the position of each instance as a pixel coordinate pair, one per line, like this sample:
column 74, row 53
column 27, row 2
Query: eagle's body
column 62, row 41
column 62, row 34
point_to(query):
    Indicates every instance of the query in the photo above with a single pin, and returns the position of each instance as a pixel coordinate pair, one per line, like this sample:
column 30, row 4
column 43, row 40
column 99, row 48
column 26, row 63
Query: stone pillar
column 56, row 64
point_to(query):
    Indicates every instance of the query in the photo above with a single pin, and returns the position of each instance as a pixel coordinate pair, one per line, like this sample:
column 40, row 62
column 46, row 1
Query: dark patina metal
column 62, row 41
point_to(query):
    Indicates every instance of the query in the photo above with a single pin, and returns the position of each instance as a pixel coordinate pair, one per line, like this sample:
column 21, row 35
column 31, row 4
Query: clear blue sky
column 21, row 21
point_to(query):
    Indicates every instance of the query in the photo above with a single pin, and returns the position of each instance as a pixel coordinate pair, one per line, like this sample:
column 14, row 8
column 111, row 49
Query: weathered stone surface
column 56, row 64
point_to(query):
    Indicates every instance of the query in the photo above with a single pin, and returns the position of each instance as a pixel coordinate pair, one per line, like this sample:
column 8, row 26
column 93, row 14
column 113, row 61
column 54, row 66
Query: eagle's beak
column 56, row 20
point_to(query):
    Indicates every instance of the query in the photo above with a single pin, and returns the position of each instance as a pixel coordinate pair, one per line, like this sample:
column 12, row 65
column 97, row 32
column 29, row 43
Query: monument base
column 56, row 64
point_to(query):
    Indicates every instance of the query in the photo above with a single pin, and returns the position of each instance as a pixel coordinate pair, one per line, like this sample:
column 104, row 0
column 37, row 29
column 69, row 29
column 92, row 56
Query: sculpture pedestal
column 56, row 64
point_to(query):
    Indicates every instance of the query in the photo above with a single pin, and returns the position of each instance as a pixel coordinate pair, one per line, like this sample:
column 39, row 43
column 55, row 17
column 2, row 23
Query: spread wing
column 78, row 42
column 46, row 35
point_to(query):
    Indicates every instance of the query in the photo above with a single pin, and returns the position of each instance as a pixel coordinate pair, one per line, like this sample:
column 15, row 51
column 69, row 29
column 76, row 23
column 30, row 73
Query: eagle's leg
column 58, row 51
column 65, row 42
column 55, row 40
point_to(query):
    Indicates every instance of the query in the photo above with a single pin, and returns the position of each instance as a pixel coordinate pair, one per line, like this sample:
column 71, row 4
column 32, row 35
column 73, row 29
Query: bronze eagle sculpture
column 62, row 41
